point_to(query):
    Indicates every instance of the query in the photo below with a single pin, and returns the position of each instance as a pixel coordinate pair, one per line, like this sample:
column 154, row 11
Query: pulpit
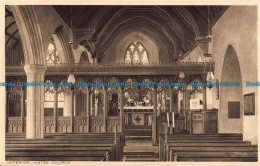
column 202, row 122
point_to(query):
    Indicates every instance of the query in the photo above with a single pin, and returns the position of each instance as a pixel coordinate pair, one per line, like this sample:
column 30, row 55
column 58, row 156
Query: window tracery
column 52, row 57
column 136, row 54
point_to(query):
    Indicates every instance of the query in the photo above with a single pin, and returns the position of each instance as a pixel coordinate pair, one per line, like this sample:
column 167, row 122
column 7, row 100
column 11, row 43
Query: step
column 138, row 138
column 139, row 156
column 138, row 142
column 141, row 159
column 139, row 153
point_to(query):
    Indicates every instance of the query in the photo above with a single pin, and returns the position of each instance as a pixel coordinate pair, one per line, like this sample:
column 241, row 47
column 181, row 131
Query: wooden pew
column 65, row 147
column 220, row 147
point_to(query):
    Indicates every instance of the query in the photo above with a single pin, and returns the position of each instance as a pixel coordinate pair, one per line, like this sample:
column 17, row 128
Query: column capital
column 35, row 69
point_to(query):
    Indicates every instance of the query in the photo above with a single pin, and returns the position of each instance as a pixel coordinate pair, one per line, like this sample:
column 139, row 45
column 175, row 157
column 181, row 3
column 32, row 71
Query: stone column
column 35, row 102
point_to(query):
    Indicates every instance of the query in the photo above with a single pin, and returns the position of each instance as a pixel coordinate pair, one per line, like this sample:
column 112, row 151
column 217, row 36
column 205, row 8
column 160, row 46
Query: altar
column 138, row 116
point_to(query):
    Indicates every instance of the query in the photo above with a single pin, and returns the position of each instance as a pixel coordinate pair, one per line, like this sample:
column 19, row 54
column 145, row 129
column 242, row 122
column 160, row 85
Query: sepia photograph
column 134, row 83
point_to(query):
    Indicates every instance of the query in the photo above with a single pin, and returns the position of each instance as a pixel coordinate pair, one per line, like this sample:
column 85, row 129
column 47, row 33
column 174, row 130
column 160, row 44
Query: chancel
column 131, row 83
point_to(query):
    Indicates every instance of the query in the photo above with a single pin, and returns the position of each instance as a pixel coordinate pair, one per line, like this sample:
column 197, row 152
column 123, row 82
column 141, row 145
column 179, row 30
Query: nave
column 165, row 45
column 138, row 147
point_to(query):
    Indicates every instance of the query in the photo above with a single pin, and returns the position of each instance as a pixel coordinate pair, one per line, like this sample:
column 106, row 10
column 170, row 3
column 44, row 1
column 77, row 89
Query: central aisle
column 139, row 147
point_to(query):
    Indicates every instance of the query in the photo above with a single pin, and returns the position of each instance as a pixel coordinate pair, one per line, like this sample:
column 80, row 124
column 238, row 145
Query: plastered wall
column 238, row 28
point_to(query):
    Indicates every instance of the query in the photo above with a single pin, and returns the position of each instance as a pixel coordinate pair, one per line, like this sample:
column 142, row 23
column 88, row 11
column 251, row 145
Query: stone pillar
column 67, row 104
column 154, row 124
column 35, row 102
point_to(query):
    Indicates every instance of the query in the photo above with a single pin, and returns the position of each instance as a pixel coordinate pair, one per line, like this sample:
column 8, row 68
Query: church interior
column 126, row 45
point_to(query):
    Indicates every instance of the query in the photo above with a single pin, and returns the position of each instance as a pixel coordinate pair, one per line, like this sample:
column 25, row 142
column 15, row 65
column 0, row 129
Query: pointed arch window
column 136, row 54
column 52, row 57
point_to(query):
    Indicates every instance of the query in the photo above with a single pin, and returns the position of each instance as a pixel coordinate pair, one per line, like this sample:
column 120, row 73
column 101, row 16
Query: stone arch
column 31, row 35
column 81, row 50
column 231, row 73
column 84, row 58
column 61, row 39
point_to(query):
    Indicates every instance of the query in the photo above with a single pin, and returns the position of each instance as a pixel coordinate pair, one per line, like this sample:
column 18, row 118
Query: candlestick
column 173, row 125
column 115, row 135
column 168, row 119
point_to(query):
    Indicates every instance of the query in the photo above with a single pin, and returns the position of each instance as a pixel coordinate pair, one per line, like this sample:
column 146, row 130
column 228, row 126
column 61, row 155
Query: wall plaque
column 249, row 104
column 234, row 109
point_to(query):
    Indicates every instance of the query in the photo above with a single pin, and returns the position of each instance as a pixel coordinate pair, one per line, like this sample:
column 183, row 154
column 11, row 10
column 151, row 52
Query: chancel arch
column 61, row 38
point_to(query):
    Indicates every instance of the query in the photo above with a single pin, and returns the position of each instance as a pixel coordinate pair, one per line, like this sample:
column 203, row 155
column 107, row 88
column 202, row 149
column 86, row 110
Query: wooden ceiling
column 97, row 26
column 176, row 25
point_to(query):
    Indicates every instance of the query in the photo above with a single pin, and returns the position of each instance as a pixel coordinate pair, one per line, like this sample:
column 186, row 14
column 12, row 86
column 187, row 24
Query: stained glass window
column 52, row 57
column 136, row 54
